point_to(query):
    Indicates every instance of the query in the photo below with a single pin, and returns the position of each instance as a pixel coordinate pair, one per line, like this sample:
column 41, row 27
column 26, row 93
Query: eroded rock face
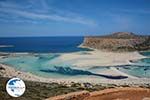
column 120, row 41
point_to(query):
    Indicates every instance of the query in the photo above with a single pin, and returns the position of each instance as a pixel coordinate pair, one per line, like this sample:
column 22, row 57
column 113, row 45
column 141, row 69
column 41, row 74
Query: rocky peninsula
column 119, row 41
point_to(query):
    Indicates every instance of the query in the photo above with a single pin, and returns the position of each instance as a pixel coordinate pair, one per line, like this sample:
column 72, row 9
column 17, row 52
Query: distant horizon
column 67, row 35
column 36, row 18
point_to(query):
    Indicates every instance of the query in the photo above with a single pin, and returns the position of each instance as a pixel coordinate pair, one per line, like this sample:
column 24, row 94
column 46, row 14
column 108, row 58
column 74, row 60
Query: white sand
column 114, row 72
column 98, row 58
column 87, row 60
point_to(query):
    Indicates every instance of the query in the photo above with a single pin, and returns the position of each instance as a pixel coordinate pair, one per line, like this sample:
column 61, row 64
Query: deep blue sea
column 41, row 44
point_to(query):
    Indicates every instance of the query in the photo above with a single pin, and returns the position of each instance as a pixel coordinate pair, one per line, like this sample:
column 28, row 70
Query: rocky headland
column 119, row 41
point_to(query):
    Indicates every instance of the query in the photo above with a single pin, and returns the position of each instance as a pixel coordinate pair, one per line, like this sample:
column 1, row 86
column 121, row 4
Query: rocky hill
column 119, row 41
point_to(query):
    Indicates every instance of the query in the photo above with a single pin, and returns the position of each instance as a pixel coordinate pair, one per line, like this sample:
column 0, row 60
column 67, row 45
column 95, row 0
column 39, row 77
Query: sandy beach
column 99, row 58
column 89, row 59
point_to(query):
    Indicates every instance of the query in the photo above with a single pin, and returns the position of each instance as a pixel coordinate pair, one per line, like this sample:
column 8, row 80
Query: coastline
column 84, row 60
column 7, row 71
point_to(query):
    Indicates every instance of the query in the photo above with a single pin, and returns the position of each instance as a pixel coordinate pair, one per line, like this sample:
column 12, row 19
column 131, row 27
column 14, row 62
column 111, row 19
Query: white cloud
column 59, row 15
column 55, row 17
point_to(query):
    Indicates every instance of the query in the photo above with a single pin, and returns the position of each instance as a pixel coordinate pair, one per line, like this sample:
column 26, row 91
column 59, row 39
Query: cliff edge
column 119, row 41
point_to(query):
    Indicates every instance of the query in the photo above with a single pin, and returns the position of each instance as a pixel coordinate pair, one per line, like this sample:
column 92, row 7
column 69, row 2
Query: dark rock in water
column 22, row 62
column 99, row 67
column 69, row 71
column 126, row 67
column 147, row 68
column 119, row 41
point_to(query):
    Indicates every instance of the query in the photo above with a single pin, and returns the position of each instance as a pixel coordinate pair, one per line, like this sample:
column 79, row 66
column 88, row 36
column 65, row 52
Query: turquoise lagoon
column 139, row 68
column 35, row 63
column 40, row 64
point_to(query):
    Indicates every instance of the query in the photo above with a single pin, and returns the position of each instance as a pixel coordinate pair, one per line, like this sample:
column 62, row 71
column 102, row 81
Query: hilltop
column 119, row 41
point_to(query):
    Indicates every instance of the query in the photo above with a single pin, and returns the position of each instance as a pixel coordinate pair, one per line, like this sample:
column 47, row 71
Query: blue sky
column 73, row 17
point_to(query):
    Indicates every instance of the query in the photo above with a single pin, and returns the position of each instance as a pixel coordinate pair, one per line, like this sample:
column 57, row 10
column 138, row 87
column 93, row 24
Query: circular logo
column 15, row 87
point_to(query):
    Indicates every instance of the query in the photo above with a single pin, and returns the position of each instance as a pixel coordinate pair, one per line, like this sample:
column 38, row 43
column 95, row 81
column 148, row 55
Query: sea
column 44, row 51
column 42, row 44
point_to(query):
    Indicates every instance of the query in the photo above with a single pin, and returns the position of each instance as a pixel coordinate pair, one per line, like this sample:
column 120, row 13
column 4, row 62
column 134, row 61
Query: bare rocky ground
column 127, row 93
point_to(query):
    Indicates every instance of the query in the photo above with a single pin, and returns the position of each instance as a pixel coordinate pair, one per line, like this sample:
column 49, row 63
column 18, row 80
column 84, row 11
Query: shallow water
column 139, row 68
column 36, row 63
column 40, row 63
